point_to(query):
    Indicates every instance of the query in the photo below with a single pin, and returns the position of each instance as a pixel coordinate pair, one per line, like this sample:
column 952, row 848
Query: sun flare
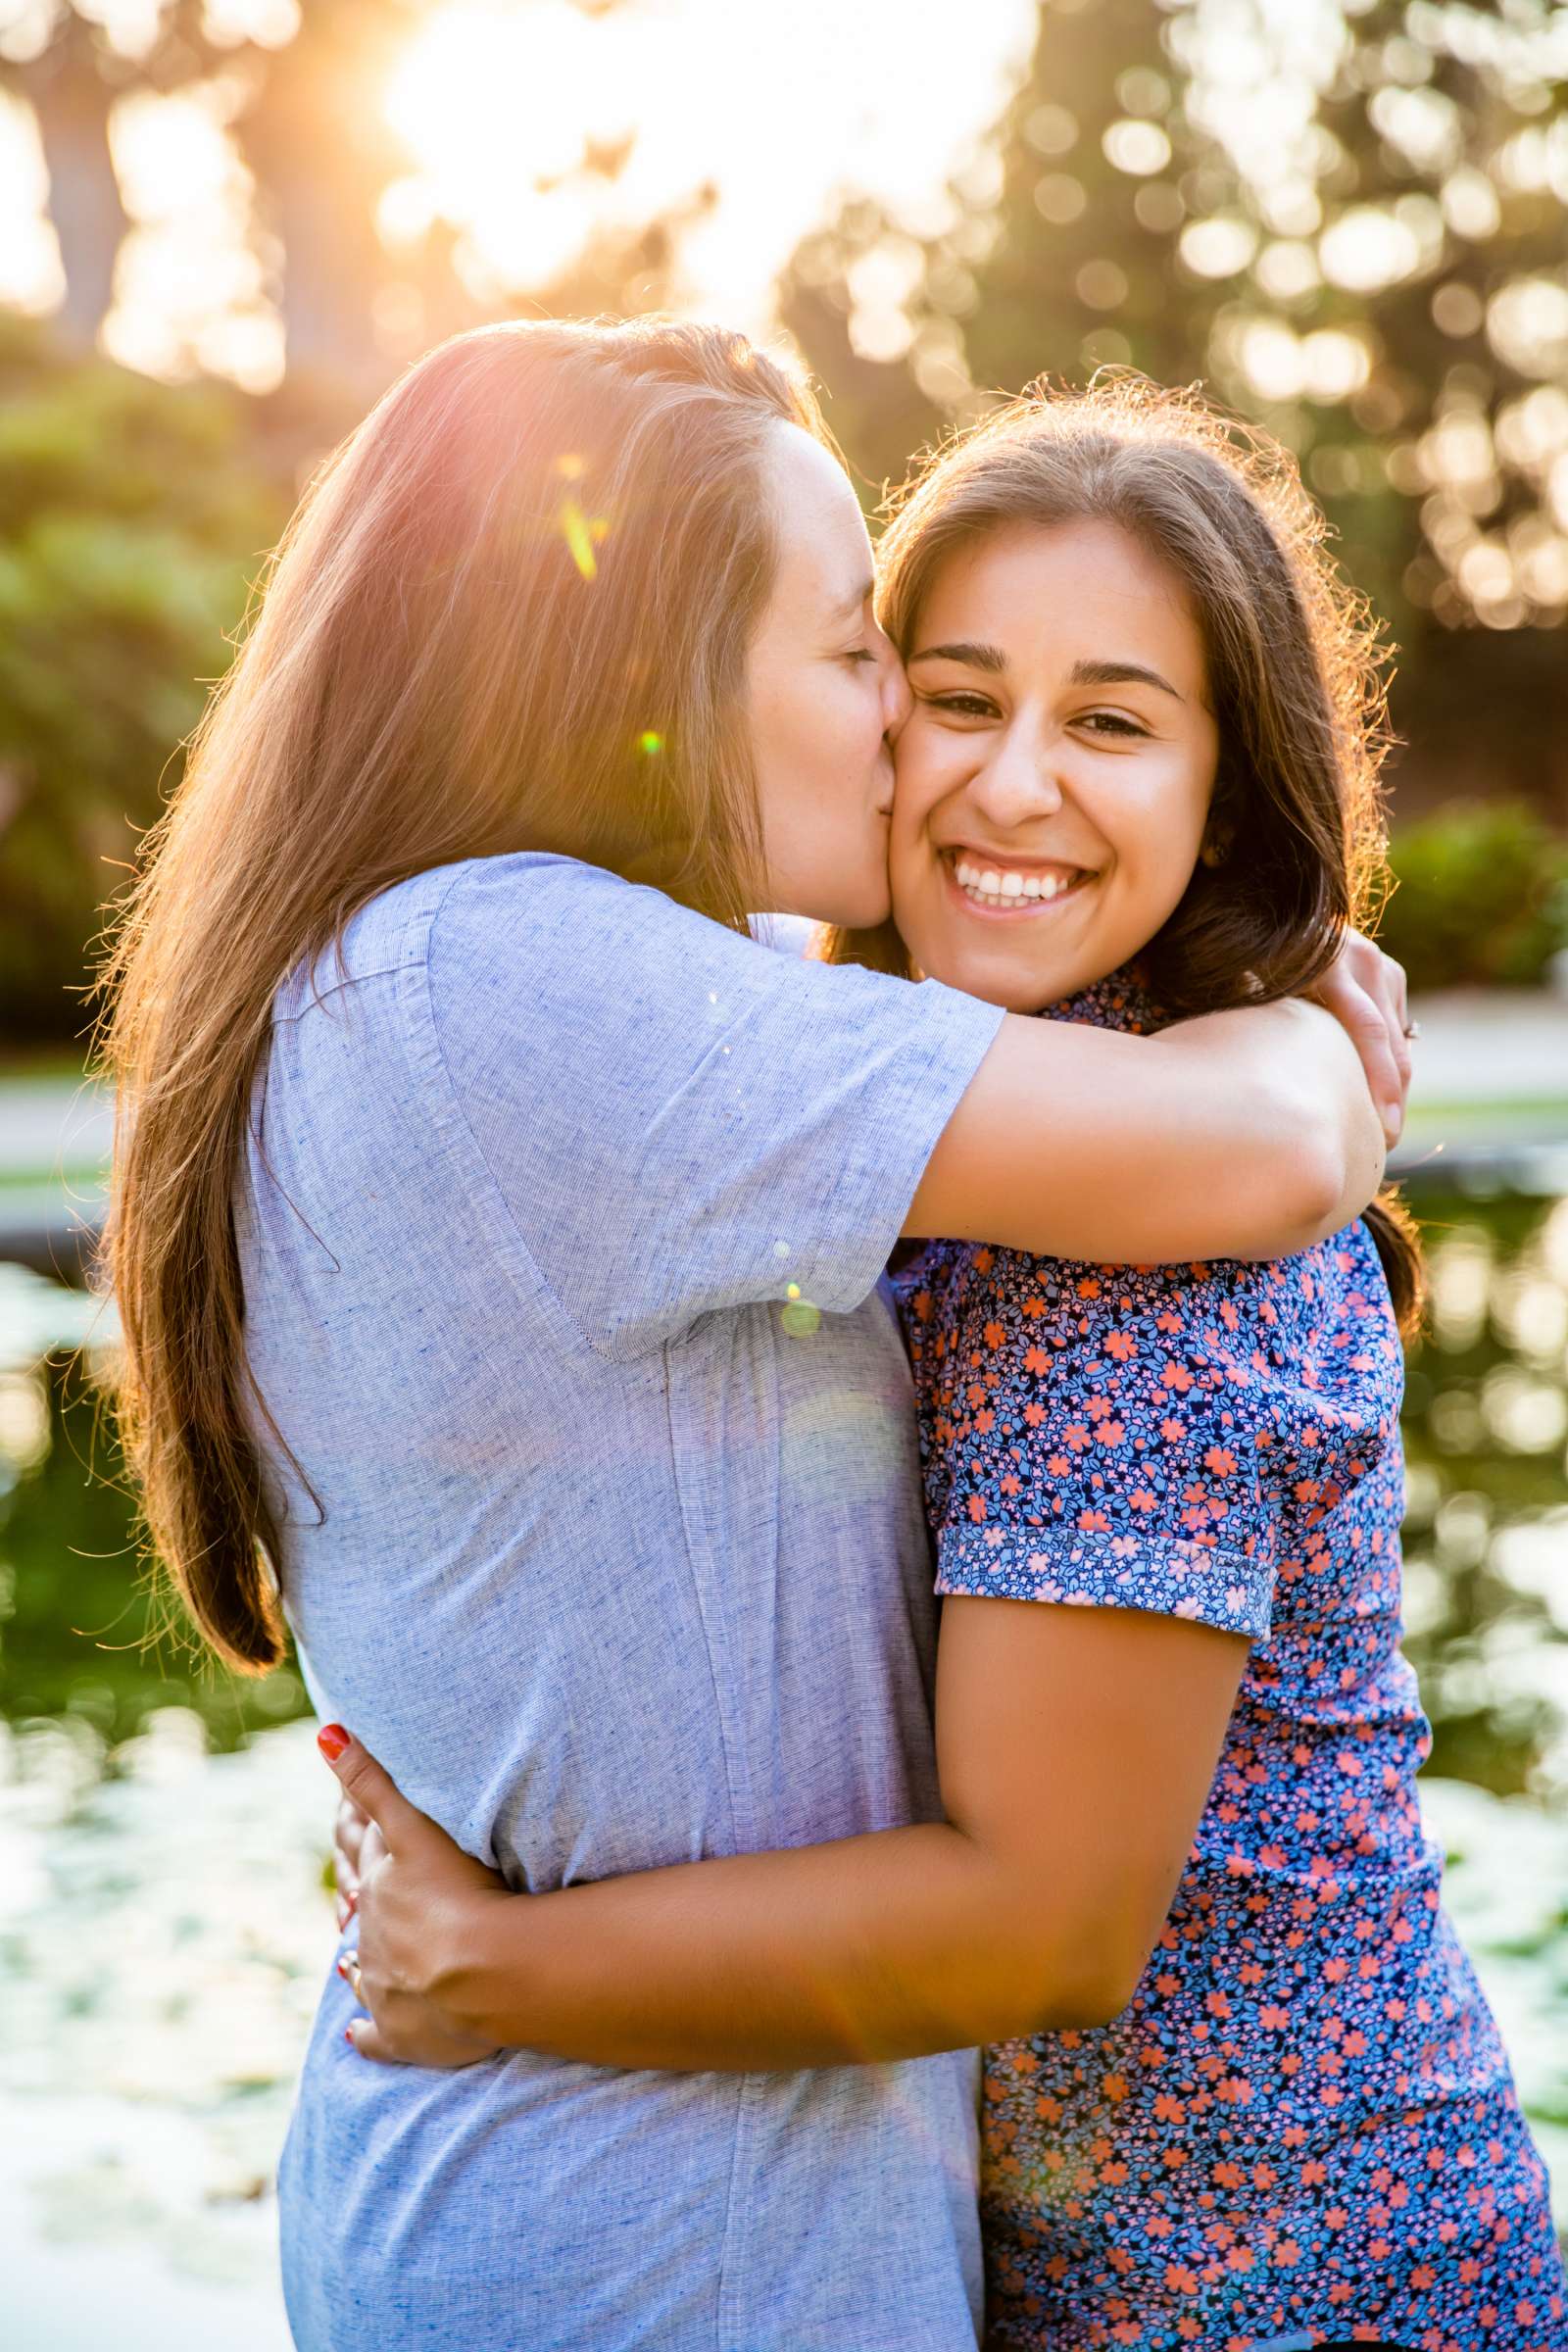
column 498, row 103
column 494, row 106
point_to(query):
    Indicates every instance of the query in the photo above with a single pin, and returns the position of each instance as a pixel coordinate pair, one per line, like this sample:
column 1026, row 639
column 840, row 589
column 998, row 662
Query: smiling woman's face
column 1054, row 775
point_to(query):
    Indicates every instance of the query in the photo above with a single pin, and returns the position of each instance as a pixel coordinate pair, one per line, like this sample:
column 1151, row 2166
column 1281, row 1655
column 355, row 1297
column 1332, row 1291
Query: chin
column 862, row 913
column 997, row 980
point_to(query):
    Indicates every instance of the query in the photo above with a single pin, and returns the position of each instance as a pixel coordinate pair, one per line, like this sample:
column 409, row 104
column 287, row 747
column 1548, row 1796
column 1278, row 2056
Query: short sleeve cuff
column 930, row 1056
column 1164, row 1575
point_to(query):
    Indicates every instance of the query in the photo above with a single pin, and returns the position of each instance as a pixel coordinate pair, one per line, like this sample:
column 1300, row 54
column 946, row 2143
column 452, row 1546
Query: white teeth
column 989, row 887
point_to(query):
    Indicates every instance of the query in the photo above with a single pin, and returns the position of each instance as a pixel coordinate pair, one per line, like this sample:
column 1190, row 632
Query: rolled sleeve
column 1231, row 1590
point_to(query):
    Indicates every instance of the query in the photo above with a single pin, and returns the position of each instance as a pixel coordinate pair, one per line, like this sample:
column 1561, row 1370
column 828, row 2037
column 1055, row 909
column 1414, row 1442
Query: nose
column 897, row 700
column 1020, row 780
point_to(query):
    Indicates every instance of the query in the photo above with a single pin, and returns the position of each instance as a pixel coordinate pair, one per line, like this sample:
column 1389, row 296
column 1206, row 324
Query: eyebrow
column 1120, row 673
column 972, row 656
column 1083, row 674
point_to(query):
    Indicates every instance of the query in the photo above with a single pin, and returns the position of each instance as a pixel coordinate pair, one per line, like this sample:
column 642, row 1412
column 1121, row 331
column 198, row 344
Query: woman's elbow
column 1095, row 1999
column 1316, row 1190
column 1054, row 1988
column 1324, row 1172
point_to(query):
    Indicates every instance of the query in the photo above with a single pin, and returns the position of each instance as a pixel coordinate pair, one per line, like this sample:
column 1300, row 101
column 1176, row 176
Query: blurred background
column 224, row 226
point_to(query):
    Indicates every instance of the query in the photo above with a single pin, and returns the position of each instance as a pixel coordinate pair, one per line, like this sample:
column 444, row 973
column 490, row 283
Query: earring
column 1213, row 853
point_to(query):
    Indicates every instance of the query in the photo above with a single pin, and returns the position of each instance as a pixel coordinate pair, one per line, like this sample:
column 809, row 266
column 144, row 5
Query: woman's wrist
column 479, row 1977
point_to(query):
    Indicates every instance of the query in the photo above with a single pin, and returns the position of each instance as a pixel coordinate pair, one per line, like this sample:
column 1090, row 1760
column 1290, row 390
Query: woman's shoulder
column 531, row 919
column 563, row 927
column 1267, row 1320
column 533, row 905
column 1079, row 1295
column 381, row 939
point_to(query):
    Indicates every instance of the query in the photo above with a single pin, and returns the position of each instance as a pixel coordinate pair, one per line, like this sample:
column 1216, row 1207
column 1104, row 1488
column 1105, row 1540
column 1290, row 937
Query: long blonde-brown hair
column 512, row 611
column 1296, row 671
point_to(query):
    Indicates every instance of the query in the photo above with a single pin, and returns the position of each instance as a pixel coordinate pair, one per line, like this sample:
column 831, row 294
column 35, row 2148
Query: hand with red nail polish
column 357, row 1845
column 414, row 1892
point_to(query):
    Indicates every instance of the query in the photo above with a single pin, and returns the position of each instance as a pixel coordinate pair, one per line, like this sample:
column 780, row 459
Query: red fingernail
column 343, row 1970
column 332, row 1739
column 348, row 2035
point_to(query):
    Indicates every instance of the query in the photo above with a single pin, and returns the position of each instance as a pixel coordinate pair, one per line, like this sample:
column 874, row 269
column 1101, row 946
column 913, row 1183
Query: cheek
column 922, row 773
column 839, row 731
column 904, row 858
column 1158, row 831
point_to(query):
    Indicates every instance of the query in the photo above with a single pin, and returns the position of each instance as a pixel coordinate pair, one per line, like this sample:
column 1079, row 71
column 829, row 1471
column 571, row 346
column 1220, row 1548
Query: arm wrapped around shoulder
column 1243, row 1134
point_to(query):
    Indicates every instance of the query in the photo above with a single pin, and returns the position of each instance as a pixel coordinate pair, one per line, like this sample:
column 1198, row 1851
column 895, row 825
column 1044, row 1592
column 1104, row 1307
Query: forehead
column 824, row 553
column 1061, row 592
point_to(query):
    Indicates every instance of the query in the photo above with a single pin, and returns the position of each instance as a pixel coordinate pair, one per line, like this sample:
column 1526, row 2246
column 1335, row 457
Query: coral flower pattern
column 1303, row 2125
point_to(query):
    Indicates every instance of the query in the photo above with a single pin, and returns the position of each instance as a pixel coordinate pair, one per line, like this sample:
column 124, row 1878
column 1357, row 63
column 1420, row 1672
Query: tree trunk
column 72, row 104
column 321, row 157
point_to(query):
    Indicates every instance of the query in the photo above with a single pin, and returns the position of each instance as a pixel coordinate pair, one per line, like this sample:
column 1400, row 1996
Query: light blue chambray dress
column 613, row 1568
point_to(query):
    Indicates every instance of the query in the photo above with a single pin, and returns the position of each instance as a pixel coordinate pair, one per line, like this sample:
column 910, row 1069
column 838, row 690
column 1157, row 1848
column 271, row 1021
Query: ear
column 1216, row 845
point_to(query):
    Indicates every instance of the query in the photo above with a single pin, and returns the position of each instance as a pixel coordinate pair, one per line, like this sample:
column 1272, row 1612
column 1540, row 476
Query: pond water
column 164, row 1924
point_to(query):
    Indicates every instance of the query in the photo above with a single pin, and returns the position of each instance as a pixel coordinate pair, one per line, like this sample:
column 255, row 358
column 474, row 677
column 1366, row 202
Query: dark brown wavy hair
column 512, row 611
column 1296, row 671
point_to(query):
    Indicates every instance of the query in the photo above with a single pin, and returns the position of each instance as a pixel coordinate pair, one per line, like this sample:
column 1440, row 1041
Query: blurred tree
column 323, row 159
column 1347, row 220
column 1401, row 318
column 70, row 70
column 1482, row 898
column 320, row 157
column 1414, row 224
column 133, row 514
column 299, row 79
column 623, row 272
column 1057, row 255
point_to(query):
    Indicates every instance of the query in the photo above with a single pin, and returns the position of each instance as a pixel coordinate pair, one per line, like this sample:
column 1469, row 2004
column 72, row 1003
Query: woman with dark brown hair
column 497, row 1231
column 1138, row 782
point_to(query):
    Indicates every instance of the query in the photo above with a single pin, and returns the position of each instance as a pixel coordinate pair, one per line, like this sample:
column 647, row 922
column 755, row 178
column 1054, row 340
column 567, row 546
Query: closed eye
column 860, row 652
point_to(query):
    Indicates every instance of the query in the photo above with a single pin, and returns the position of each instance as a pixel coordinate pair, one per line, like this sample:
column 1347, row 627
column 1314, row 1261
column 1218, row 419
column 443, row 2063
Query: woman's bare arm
column 1242, row 1135
column 1248, row 1134
column 1077, row 1748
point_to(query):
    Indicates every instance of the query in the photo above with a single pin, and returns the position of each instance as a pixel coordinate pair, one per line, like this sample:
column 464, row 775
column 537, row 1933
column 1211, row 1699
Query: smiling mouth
column 1013, row 890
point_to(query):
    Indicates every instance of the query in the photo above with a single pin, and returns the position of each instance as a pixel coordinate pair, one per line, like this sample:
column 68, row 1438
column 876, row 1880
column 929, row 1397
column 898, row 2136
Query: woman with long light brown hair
column 497, row 1231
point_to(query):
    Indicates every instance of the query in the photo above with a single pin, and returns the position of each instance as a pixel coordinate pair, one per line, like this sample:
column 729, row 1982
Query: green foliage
column 1053, row 259
column 83, row 1630
column 131, row 516
column 1482, row 897
column 1410, row 229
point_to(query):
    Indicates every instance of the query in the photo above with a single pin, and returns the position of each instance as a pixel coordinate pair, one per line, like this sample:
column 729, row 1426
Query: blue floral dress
column 1303, row 2127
